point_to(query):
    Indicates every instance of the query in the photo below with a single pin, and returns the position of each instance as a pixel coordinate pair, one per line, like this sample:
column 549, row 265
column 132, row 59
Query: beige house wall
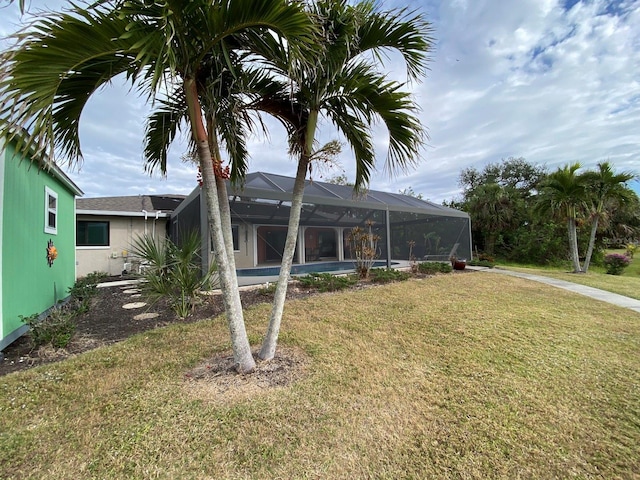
column 245, row 255
column 122, row 233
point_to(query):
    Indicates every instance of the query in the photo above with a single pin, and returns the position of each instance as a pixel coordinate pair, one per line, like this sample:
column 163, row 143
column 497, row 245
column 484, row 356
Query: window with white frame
column 50, row 211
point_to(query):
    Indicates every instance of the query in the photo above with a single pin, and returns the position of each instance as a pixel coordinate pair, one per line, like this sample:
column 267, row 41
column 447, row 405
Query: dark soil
column 108, row 322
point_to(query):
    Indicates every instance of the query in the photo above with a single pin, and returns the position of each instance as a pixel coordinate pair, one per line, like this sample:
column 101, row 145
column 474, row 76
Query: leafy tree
column 607, row 190
column 343, row 85
column 513, row 172
column 493, row 208
column 499, row 199
column 58, row 62
column 410, row 193
column 564, row 194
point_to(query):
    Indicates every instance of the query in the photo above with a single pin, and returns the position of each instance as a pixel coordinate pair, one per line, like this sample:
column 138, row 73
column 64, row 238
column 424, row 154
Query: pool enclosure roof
column 260, row 185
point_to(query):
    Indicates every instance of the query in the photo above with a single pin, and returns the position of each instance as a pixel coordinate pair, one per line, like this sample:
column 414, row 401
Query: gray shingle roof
column 135, row 203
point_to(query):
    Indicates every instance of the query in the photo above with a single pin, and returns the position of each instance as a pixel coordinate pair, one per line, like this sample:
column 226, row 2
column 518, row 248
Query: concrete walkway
column 595, row 293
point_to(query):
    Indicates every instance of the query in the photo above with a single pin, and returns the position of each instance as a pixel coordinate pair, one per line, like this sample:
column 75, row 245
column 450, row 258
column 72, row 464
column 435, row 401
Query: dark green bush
column 481, row 263
column 387, row 275
column 326, row 282
column 431, row 268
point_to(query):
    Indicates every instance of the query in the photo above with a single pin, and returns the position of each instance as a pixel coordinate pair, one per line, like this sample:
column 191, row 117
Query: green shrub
column 85, row 288
column 56, row 329
column 267, row 289
column 431, row 268
column 326, row 282
column 615, row 263
column 387, row 275
column 481, row 263
column 173, row 272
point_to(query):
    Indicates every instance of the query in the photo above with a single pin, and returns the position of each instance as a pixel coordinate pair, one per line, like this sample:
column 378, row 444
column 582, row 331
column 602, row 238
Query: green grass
column 627, row 284
column 455, row 376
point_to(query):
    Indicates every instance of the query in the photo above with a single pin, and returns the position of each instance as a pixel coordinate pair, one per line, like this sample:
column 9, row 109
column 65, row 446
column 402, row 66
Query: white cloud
column 531, row 78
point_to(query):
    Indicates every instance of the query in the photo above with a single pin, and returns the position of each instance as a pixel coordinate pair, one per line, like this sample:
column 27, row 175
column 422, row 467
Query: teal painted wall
column 29, row 285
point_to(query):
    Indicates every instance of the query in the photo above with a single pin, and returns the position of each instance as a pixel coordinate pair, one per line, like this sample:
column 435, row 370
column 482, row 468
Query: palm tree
column 343, row 85
column 61, row 59
column 493, row 209
column 607, row 189
column 563, row 193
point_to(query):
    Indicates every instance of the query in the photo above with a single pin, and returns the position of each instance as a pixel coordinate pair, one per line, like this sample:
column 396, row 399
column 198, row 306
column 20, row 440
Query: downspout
column 145, row 221
column 154, row 224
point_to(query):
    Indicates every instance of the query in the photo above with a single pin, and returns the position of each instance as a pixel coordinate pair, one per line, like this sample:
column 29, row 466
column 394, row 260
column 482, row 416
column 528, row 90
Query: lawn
column 627, row 284
column 456, row 376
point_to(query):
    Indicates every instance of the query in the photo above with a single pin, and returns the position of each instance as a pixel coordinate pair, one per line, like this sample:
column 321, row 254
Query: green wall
column 29, row 285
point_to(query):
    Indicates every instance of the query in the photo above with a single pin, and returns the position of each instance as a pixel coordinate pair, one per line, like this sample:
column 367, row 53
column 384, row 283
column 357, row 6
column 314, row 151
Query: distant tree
column 493, row 208
column 339, row 180
column 513, row 172
column 607, row 191
column 499, row 200
column 409, row 192
column 564, row 194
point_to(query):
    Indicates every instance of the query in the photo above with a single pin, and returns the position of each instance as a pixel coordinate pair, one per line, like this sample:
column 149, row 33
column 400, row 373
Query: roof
column 280, row 187
column 135, row 205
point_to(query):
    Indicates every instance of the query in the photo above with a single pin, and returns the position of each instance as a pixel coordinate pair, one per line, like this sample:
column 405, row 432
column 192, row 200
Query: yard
column 453, row 376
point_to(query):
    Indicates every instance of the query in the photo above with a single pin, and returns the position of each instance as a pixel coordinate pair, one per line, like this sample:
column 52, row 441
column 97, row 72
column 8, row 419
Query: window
column 235, row 230
column 235, row 233
column 50, row 211
column 92, row 234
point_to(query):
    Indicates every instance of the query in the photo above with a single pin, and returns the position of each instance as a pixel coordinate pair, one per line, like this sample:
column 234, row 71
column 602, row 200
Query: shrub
column 615, row 263
column 481, row 263
column 364, row 246
column 267, row 289
column 387, row 275
column 631, row 249
column 325, row 282
column 56, row 329
column 173, row 272
column 431, row 268
column 84, row 289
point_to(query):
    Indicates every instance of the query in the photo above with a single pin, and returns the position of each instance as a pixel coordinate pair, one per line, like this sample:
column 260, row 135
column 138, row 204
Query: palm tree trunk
column 231, row 297
column 223, row 199
column 573, row 244
column 592, row 241
column 270, row 342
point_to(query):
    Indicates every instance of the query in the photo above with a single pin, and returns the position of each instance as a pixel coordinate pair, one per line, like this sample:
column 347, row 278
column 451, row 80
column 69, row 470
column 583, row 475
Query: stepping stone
column 130, row 306
column 146, row 316
column 136, row 295
column 132, row 290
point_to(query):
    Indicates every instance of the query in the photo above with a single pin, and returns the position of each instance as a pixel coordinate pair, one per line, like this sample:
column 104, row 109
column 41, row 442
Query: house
column 407, row 226
column 37, row 238
column 107, row 227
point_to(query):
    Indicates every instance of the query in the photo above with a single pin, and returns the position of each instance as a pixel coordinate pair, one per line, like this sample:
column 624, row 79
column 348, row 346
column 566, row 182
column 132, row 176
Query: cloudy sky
column 551, row 81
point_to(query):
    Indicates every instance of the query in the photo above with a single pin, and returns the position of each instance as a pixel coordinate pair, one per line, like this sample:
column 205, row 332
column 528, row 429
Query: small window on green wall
column 50, row 211
column 92, row 234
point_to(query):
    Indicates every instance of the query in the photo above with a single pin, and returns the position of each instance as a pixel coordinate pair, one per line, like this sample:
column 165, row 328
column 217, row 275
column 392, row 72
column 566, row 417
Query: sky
column 553, row 81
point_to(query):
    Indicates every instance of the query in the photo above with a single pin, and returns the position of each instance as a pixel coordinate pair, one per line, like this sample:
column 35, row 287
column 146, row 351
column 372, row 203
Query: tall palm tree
column 606, row 189
column 60, row 60
column 563, row 193
column 342, row 84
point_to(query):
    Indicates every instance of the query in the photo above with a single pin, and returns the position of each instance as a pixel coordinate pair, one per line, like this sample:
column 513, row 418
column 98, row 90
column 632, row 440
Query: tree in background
column 607, row 191
column 499, row 199
column 564, row 194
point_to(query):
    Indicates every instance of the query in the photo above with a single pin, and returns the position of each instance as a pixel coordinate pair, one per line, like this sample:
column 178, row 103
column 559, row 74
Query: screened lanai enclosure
column 260, row 214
